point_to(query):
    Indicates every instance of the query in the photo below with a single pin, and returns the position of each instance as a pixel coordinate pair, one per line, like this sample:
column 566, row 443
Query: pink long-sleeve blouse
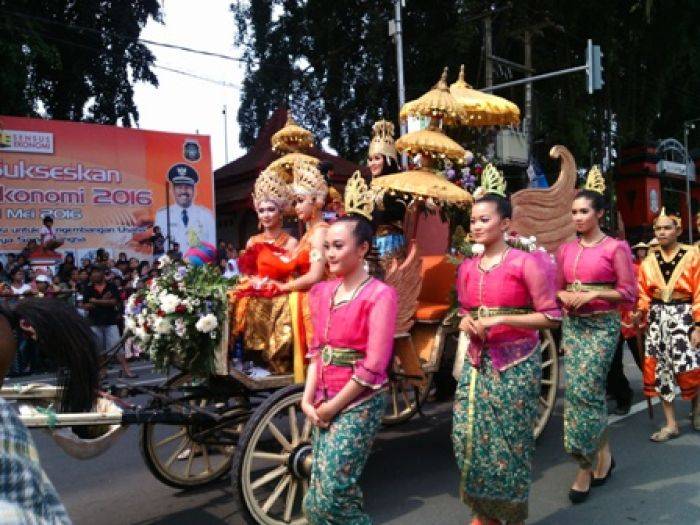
column 609, row 262
column 366, row 324
column 523, row 281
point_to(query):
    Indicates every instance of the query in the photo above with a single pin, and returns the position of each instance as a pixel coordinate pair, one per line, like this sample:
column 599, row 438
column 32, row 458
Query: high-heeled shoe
column 578, row 496
column 597, row 482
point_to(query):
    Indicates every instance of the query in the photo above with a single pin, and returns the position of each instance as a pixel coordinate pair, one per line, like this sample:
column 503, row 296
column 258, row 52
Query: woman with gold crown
column 261, row 310
column 596, row 277
column 308, row 260
column 353, row 320
column 669, row 293
column 388, row 217
column 505, row 296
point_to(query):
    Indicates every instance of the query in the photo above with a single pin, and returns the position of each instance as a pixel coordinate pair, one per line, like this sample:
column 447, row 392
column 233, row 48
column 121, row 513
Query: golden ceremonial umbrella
column 437, row 103
column 423, row 185
column 431, row 142
column 483, row 109
column 283, row 165
column 291, row 138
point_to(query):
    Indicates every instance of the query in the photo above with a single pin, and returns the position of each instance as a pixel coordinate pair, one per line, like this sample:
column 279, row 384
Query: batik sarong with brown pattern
column 494, row 418
column 589, row 345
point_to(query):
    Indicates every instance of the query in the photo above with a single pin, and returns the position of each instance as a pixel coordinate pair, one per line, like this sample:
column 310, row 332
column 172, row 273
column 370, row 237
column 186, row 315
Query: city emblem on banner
column 191, row 150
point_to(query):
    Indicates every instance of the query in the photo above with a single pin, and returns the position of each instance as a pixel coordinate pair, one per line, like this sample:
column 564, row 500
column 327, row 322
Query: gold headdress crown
column 308, row 180
column 595, row 181
column 359, row 199
column 492, row 181
column 383, row 140
column 269, row 186
column 675, row 218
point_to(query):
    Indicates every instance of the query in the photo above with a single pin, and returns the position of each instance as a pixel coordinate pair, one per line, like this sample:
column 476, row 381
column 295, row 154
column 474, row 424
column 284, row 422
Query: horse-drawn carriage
column 195, row 431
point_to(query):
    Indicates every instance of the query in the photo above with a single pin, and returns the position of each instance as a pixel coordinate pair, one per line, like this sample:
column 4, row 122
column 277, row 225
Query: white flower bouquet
column 179, row 318
column 464, row 246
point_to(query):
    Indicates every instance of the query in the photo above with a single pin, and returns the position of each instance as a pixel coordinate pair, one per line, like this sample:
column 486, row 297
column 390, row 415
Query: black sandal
column 578, row 496
column 597, row 482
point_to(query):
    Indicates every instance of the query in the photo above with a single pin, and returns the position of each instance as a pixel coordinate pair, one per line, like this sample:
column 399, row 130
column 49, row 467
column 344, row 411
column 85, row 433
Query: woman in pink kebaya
column 354, row 317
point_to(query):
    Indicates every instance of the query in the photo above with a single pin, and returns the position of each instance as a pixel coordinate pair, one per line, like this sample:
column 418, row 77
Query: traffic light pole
column 592, row 67
column 535, row 78
column 687, row 126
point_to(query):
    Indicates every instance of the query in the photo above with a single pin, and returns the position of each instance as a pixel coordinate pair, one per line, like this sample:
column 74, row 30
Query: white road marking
column 636, row 408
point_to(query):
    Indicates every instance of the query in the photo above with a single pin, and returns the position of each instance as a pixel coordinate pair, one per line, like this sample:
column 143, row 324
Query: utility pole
column 527, row 124
column 526, row 36
column 396, row 31
column 687, row 126
column 488, row 51
column 225, row 134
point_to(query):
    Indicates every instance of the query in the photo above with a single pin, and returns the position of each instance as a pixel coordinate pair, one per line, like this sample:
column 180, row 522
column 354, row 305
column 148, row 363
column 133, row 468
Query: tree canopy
column 74, row 60
column 335, row 65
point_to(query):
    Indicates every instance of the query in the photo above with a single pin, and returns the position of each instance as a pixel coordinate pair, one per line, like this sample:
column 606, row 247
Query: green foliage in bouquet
column 179, row 318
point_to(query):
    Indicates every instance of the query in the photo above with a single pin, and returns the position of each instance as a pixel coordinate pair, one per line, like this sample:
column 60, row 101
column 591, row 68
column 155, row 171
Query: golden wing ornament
column 405, row 277
column 546, row 213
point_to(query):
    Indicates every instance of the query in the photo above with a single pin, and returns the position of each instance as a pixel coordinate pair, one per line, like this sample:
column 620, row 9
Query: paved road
column 411, row 479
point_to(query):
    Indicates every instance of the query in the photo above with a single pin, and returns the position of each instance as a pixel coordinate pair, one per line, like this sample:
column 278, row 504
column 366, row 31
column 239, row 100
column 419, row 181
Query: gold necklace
column 593, row 244
column 581, row 247
column 354, row 293
column 482, row 274
column 500, row 261
column 273, row 239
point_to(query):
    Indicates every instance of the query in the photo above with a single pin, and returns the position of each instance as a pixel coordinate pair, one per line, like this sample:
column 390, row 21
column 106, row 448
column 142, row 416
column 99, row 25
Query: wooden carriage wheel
column 186, row 456
column 550, row 380
column 271, row 471
column 403, row 397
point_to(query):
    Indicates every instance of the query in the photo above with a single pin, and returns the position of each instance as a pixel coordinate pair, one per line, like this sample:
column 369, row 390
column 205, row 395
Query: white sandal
column 664, row 434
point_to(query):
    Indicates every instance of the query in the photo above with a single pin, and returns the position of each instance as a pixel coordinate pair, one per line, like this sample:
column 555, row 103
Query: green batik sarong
column 589, row 344
column 494, row 418
column 340, row 454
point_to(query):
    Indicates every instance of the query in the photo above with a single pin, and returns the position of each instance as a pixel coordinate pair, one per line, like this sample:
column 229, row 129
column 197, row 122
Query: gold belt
column 487, row 311
column 578, row 286
column 658, row 295
column 340, row 356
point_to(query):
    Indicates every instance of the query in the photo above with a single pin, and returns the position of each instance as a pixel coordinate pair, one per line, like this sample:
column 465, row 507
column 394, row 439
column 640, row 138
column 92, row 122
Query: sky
column 189, row 105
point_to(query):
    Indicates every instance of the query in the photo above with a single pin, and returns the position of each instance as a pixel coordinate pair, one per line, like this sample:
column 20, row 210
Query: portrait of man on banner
column 184, row 217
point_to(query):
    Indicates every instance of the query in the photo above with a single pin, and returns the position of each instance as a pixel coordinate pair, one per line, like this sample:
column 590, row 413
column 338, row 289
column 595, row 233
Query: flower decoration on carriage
column 463, row 245
column 179, row 317
column 521, row 242
column 450, row 172
column 467, row 179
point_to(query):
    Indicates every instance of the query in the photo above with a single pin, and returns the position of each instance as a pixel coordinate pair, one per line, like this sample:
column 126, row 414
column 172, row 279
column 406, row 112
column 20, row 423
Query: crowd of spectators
column 82, row 284
column 98, row 287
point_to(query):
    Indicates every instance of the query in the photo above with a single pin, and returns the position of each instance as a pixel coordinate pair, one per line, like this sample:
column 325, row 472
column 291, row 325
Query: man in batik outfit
column 669, row 293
